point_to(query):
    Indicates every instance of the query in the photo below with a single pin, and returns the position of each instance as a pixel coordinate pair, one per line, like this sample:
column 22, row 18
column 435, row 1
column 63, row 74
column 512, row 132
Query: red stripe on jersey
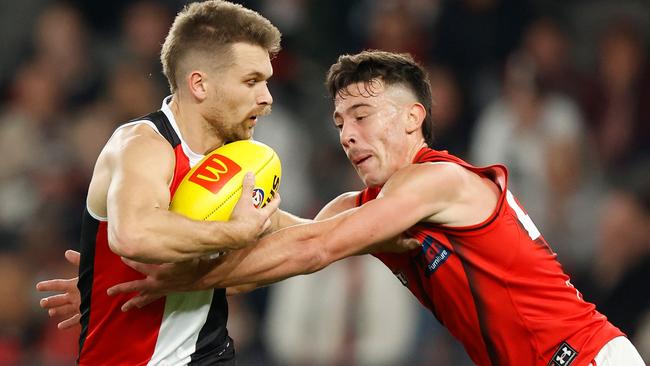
column 181, row 168
column 114, row 337
column 137, row 328
column 496, row 285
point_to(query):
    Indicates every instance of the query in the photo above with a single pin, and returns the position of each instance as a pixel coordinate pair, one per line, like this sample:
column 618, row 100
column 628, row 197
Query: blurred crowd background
column 557, row 90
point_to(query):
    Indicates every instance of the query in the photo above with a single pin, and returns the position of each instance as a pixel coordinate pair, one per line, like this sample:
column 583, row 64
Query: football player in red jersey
column 481, row 267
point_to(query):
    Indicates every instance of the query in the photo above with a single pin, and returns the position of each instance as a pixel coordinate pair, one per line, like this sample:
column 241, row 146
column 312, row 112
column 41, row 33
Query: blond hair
column 208, row 28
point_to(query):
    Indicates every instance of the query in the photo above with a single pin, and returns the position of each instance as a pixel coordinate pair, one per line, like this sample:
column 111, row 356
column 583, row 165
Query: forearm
column 340, row 231
column 162, row 236
column 281, row 255
column 243, row 289
column 283, row 219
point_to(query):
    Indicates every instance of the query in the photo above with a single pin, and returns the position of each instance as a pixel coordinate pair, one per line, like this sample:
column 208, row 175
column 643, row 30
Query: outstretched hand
column 66, row 303
column 161, row 280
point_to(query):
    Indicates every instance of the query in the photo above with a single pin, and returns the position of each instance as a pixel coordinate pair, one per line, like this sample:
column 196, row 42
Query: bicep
column 359, row 230
column 142, row 167
column 419, row 193
column 338, row 205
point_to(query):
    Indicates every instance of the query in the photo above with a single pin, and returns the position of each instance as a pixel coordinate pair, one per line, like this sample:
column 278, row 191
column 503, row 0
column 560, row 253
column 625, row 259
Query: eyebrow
column 351, row 108
column 257, row 75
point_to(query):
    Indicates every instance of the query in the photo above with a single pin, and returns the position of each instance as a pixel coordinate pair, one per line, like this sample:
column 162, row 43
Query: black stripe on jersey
column 214, row 345
column 159, row 119
column 89, row 227
column 478, row 304
column 425, row 295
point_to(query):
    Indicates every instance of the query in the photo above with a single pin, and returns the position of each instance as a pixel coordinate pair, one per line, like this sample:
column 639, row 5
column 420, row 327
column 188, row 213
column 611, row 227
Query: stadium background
column 558, row 90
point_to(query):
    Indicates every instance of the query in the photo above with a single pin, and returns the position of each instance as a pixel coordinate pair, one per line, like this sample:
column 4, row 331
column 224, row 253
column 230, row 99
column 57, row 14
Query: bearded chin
column 219, row 128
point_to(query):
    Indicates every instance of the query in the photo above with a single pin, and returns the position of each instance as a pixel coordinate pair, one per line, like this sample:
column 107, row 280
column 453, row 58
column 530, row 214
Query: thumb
column 248, row 184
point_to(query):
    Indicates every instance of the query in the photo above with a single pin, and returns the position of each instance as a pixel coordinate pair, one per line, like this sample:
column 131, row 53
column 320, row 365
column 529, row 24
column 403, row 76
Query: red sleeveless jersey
column 497, row 286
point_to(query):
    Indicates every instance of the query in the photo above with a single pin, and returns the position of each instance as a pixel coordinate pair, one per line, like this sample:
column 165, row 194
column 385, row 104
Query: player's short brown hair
column 208, row 29
column 392, row 69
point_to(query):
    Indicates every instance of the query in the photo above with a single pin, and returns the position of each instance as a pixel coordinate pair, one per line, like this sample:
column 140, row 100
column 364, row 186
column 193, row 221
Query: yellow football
column 212, row 187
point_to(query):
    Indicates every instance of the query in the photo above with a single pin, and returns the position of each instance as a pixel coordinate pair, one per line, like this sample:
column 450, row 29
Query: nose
column 265, row 97
column 347, row 135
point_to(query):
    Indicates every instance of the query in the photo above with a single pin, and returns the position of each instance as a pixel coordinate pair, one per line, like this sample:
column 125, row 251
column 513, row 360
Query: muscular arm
column 444, row 194
column 340, row 204
column 282, row 219
column 416, row 193
column 140, row 165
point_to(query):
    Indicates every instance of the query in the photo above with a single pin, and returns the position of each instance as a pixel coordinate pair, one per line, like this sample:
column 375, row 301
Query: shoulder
column 137, row 142
column 445, row 177
column 432, row 192
column 343, row 202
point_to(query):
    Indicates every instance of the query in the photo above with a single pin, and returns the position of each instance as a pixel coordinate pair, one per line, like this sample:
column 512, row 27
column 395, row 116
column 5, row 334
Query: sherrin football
column 211, row 189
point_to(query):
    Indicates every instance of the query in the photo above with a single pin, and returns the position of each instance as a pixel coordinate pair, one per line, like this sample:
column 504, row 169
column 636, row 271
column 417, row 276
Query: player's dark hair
column 392, row 69
column 209, row 28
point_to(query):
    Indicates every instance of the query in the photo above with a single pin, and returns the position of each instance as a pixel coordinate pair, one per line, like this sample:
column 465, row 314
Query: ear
column 415, row 118
column 197, row 84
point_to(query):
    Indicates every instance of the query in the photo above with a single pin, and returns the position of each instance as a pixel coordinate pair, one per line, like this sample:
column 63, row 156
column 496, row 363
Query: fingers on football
column 73, row 257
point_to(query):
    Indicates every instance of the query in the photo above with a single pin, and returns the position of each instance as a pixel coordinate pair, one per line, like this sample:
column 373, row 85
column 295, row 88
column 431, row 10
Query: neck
column 414, row 149
column 194, row 128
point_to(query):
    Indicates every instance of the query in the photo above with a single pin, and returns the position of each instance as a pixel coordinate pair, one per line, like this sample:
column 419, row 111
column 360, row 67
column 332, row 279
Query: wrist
column 230, row 235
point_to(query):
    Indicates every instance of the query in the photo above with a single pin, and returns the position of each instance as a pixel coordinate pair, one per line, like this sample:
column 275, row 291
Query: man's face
column 372, row 122
column 239, row 93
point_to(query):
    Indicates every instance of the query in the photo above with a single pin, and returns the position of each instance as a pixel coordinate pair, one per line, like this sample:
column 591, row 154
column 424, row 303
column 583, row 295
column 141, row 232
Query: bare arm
column 414, row 194
column 161, row 280
column 141, row 227
column 340, row 204
column 282, row 219
column 443, row 194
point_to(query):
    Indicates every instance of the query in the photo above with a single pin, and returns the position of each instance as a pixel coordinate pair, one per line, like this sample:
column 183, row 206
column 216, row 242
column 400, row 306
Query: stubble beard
column 227, row 131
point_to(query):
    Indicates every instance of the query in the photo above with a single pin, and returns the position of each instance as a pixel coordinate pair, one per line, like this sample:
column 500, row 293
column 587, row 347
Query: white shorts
column 618, row 352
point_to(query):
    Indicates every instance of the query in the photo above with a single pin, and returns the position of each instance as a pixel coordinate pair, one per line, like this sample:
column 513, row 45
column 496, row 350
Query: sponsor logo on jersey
column 214, row 172
column 258, row 197
column 432, row 256
column 564, row 356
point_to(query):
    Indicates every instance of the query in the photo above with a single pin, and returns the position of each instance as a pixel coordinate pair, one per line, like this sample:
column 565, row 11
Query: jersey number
column 523, row 217
column 533, row 232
